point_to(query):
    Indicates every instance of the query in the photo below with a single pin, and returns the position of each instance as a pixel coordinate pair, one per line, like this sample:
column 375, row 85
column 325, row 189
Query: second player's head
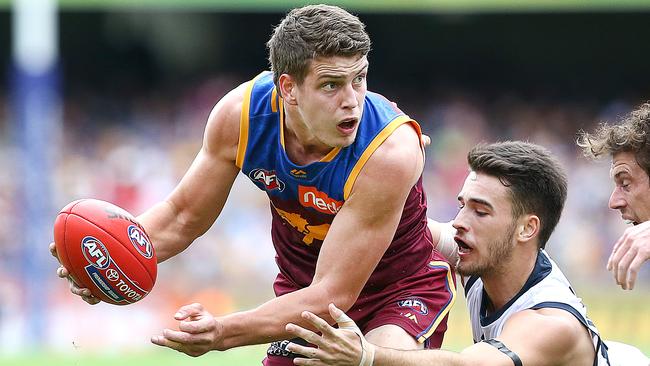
column 628, row 143
column 512, row 198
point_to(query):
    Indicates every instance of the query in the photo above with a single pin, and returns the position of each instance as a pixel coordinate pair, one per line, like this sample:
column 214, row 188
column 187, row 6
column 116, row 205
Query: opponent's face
column 631, row 194
column 330, row 99
column 485, row 225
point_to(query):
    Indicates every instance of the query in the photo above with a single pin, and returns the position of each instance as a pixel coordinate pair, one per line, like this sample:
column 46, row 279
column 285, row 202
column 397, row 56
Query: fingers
column 84, row 293
column 426, row 140
column 309, row 352
column 305, row 334
column 53, row 250
column 319, row 323
column 162, row 341
column 623, row 266
column 187, row 311
column 62, row 272
column 621, row 248
column 633, row 271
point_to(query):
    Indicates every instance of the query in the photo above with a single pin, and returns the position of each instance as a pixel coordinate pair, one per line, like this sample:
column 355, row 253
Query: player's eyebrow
column 475, row 200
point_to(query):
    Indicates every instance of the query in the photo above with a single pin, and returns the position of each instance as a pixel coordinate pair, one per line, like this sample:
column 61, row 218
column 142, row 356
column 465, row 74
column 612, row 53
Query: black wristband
column 505, row 350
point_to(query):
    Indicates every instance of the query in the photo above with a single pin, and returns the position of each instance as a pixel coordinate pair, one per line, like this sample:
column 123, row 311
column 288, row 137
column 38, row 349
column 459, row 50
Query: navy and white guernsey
column 547, row 287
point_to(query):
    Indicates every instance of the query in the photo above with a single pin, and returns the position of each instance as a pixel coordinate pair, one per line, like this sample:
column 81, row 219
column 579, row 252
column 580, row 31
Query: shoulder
column 222, row 128
column 400, row 156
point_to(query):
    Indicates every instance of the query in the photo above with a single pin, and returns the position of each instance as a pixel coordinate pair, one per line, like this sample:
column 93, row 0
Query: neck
column 502, row 284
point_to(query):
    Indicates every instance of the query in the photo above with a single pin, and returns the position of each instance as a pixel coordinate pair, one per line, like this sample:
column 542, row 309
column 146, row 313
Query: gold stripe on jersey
column 444, row 311
column 274, row 100
column 281, row 104
column 374, row 144
column 243, row 123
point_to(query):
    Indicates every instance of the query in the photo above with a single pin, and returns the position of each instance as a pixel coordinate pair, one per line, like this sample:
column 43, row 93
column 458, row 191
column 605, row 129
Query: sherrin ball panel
column 106, row 251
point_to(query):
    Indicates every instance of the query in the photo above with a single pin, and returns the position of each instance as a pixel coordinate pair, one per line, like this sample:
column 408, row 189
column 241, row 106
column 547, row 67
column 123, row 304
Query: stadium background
column 137, row 80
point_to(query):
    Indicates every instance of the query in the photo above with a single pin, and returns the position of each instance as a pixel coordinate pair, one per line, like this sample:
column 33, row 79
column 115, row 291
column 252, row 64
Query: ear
column 288, row 90
column 528, row 228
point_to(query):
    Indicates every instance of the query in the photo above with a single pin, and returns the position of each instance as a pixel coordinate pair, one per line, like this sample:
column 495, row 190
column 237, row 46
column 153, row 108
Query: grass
column 235, row 357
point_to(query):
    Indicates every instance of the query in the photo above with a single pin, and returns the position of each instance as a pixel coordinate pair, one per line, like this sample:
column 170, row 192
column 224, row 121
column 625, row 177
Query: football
column 105, row 250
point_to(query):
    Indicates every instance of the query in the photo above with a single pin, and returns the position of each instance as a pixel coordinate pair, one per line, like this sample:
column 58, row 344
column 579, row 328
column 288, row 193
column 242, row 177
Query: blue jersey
column 306, row 198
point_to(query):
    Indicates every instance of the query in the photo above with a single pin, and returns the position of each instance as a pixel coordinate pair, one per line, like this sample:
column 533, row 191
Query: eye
column 359, row 79
column 480, row 213
column 329, row 86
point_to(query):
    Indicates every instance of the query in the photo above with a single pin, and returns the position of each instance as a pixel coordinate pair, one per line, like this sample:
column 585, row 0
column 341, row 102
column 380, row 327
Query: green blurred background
column 133, row 82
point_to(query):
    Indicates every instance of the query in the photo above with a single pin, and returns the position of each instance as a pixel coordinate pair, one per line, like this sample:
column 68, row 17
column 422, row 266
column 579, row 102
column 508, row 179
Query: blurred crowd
column 132, row 152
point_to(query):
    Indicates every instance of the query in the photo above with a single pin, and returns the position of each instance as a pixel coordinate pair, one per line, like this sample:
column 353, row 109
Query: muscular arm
column 542, row 337
column 194, row 205
column 355, row 242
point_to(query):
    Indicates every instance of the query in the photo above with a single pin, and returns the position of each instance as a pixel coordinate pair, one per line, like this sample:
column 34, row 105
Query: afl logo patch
column 95, row 252
column 140, row 241
column 267, row 178
column 415, row 305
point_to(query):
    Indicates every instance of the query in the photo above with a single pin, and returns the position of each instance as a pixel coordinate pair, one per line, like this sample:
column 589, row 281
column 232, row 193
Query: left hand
column 630, row 251
column 199, row 332
column 339, row 347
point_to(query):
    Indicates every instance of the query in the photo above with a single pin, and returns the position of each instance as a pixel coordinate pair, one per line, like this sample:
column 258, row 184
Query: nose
column 616, row 200
column 458, row 223
column 349, row 97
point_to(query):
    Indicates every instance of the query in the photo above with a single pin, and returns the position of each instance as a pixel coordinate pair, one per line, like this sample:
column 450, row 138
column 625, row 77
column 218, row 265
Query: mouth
column 347, row 126
column 629, row 221
column 463, row 248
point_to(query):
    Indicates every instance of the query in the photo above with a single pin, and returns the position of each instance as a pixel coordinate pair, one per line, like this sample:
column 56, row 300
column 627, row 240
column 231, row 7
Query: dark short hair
column 314, row 31
column 631, row 134
column 535, row 178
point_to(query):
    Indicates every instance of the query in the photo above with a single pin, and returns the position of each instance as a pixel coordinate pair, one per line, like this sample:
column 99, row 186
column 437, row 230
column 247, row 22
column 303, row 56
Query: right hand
column 85, row 293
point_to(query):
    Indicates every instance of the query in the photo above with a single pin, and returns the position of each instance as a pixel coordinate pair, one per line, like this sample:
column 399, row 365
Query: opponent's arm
column 542, row 337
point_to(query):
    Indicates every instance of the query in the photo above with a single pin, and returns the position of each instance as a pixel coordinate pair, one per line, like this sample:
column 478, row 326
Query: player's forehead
column 624, row 164
column 486, row 189
column 337, row 66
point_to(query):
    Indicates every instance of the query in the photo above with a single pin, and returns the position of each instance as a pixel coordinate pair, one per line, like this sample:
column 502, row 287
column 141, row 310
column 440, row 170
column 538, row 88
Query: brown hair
column 314, row 31
column 631, row 134
column 537, row 181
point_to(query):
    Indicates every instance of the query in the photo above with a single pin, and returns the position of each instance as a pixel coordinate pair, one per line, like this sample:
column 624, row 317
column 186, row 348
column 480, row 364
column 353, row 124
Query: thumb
column 344, row 321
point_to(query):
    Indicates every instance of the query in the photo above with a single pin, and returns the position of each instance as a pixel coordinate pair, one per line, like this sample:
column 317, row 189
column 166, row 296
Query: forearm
column 392, row 357
column 165, row 229
column 267, row 322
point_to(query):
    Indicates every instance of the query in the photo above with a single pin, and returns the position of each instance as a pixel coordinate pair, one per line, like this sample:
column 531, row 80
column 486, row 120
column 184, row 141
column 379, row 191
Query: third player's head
column 628, row 143
column 318, row 56
column 512, row 199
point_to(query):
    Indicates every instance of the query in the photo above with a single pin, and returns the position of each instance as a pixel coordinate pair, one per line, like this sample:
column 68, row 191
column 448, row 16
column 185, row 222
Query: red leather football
column 105, row 250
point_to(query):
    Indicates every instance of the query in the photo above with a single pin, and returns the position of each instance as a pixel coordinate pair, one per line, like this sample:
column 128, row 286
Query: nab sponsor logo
column 298, row 173
column 267, row 178
column 95, row 252
column 140, row 241
column 415, row 305
column 320, row 201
